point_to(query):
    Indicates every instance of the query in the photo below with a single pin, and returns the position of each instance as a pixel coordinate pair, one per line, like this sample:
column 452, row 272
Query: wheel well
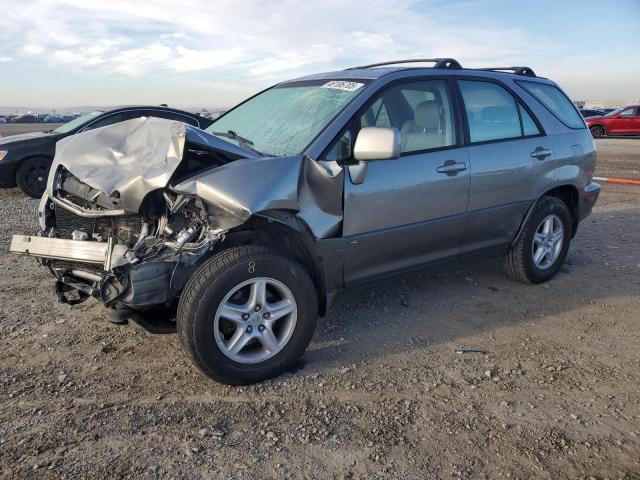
column 289, row 235
column 569, row 195
column 597, row 125
column 29, row 157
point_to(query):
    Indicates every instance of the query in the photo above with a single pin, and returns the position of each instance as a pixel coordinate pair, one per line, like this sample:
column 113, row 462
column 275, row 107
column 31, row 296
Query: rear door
column 511, row 162
column 409, row 211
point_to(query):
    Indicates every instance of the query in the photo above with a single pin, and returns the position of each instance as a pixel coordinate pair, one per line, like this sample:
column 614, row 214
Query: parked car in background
column 316, row 184
column 591, row 113
column 623, row 121
column 54, row 119
column 607, row 110
column 27, row 118
column 2, row 120
column 25, row 159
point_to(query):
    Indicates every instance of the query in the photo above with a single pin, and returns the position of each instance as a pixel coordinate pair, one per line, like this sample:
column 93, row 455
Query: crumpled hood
column 24, row 137
column 141, row 155
column 132, row 157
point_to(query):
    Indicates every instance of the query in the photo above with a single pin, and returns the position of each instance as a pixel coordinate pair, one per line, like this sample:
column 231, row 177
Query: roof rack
column 439, row 63
column 526, row 71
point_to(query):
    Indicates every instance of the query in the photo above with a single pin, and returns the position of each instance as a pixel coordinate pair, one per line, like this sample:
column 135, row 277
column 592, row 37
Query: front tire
column 32, row 176
column 247, row 314
column 543, row 243
column 597, row 131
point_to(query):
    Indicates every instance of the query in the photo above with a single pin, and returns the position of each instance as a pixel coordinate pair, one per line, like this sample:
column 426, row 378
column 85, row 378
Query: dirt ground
column 381, row 392
column 8, row 129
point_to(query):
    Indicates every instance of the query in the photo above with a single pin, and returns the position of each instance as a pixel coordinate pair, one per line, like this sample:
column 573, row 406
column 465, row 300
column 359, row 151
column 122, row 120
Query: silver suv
column 248, row 228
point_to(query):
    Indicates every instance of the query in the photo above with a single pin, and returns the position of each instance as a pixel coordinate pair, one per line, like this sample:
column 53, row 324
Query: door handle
column 451, row 166
column 541, row 153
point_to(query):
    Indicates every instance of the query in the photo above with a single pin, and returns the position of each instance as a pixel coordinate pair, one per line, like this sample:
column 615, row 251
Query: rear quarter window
column 556, row 102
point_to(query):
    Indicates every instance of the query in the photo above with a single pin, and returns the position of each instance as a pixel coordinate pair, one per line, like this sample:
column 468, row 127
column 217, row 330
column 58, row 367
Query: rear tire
column 32, row 176
column 597, row 131
column 543, row 243
column 235, row 334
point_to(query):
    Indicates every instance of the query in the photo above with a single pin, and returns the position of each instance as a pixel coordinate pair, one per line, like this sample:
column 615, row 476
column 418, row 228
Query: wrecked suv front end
column 155, row 213
column 137, row 239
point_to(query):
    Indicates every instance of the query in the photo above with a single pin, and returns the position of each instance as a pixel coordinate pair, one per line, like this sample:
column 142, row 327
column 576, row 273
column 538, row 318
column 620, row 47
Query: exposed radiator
column 125, row 227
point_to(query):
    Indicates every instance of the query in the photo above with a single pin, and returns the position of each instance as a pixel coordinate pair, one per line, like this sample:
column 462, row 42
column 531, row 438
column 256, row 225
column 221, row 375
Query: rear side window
column 493, row 114
column 556, row 101
column 529, row 127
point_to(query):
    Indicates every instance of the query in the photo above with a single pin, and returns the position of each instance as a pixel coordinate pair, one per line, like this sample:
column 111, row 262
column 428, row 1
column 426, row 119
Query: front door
column 624, row 122
column 410, row 211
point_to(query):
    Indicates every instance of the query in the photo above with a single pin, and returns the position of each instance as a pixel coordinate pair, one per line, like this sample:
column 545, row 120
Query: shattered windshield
column 283, row 120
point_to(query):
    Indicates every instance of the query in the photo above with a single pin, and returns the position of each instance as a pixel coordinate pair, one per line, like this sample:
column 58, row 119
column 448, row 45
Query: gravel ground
column 8, row 129
column 380, row 394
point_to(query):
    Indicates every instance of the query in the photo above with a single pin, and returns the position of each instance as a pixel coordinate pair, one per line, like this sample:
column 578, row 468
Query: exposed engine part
column 79, row 235
column 185, row 235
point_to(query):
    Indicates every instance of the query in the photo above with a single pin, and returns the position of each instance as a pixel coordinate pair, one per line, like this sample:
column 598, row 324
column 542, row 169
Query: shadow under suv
column 311, row 186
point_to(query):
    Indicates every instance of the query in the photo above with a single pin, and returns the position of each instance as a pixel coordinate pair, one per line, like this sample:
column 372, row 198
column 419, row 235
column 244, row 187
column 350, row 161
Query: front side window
column 556, row 101
column 283, row 120
column 422, row 111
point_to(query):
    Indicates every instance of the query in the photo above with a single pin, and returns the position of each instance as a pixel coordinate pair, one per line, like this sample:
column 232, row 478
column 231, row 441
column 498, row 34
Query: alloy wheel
column 547, row 242
column 255, row 320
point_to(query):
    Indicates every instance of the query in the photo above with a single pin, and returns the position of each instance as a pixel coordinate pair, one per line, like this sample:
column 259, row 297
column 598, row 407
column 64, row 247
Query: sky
column 208, row 53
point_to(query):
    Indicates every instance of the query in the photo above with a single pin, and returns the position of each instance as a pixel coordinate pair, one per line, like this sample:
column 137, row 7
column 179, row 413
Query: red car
column 622, row 121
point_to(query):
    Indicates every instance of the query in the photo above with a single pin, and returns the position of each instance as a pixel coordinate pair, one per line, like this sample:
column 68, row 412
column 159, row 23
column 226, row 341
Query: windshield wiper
column 243, row 142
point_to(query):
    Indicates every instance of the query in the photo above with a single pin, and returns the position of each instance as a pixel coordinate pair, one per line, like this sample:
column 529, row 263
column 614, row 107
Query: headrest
column 427, row 114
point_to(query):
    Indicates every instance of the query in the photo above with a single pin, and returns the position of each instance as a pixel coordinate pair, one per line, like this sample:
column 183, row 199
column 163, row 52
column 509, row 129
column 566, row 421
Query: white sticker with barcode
column 343, row 85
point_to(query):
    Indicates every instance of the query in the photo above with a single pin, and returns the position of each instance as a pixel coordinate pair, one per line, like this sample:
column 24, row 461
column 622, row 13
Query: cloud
column 5, row 59
column 255, row 37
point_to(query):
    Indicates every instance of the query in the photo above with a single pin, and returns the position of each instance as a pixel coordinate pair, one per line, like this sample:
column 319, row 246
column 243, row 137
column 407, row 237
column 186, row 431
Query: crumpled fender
column 234, row 192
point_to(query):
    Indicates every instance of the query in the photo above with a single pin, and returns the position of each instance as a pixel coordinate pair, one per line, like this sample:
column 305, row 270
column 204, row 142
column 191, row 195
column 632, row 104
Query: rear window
column 556, row 101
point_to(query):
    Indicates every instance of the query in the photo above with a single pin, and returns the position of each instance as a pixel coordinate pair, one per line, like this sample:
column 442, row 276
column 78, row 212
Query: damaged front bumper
column 134, row 260
column 107, row 254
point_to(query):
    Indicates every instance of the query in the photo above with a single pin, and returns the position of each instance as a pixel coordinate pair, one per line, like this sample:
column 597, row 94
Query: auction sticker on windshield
column 343, row 85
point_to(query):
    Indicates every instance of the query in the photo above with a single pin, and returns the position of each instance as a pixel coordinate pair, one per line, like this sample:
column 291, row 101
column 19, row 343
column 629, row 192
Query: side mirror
column 376, row 143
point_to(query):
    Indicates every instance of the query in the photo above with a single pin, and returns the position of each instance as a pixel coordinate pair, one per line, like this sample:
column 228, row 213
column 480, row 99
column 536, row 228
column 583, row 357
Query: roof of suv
column 375, row 71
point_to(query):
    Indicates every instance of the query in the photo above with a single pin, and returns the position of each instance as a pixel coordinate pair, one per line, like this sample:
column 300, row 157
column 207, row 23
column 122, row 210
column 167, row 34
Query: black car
column 25, row 159
column 591, row 113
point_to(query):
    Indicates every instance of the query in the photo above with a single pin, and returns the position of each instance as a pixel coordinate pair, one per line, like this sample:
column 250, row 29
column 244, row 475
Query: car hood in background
column 24, row 137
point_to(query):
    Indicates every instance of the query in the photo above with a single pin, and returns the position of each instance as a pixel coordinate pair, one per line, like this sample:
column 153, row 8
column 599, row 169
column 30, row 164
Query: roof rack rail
column 525, row 71
column 439, row 63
